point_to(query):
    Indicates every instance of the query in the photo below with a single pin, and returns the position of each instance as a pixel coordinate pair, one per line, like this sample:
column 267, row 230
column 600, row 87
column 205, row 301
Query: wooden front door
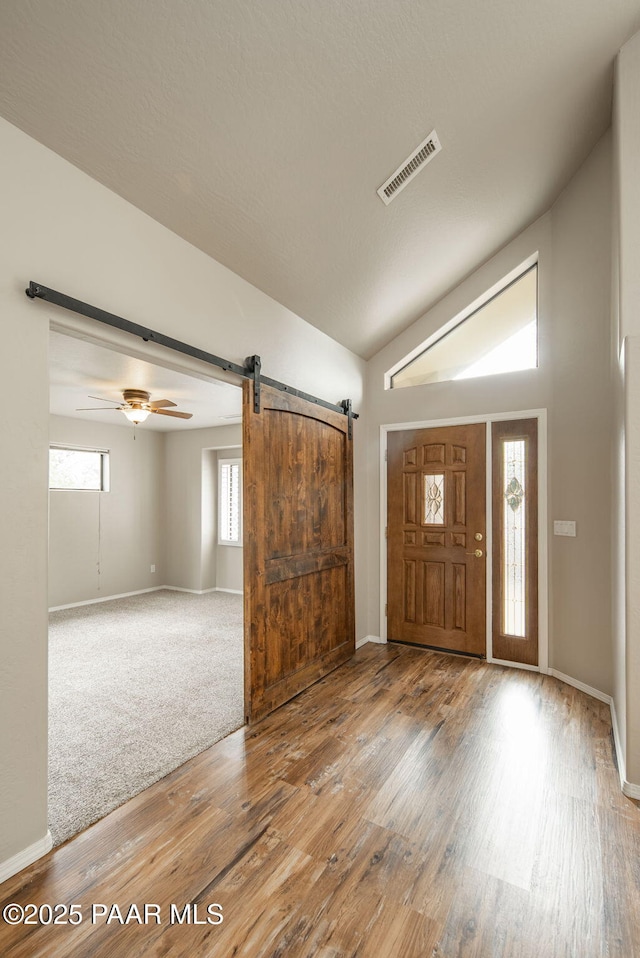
column 436, row 538
column 298, row 546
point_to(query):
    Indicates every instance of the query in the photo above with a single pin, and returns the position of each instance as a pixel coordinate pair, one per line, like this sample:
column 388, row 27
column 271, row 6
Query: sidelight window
column 514, row 534
column 515, row 540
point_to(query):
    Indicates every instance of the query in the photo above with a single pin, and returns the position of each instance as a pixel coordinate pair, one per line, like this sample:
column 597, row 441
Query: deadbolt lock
column 478, row 537
column 477, row 553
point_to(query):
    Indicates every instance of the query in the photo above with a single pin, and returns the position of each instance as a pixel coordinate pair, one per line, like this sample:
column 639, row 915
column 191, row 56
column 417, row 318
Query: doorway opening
column 146, row 644
column 456, row 547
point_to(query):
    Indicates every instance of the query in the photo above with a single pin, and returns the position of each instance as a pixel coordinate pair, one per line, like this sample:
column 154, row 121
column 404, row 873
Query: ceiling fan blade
column 170, row 412
column 160, row 404
column 98, row 408
column 102, row 399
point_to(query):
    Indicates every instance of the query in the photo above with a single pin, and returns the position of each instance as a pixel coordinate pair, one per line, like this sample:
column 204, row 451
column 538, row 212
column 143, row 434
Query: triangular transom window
column 500, row 336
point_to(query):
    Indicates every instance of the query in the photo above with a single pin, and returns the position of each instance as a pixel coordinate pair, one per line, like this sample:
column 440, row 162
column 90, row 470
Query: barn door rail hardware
column 250, row 370
column 254, row 364
column 348, row 411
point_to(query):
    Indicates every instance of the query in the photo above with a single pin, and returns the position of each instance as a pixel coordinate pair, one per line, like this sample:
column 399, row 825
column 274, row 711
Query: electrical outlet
column 153, row 568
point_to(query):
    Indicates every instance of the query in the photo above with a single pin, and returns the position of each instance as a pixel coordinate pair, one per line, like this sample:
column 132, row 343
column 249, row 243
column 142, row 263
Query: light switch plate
column 564, row 527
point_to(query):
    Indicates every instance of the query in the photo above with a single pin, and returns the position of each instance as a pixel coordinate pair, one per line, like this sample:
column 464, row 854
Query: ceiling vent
column 412, row 165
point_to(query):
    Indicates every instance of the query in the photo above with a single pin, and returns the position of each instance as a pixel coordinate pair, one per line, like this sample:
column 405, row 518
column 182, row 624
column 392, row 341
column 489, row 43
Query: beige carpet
column 136, row 687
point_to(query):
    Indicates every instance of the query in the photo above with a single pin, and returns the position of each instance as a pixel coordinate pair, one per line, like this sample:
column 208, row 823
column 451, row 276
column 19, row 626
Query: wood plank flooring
column 412, row 804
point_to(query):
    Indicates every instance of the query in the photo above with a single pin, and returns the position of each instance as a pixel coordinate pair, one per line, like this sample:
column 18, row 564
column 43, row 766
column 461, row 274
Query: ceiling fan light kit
column 136, row 414
column 137, row 406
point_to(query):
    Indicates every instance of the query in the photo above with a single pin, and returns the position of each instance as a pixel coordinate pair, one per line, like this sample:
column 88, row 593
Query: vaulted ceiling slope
column 259, row 130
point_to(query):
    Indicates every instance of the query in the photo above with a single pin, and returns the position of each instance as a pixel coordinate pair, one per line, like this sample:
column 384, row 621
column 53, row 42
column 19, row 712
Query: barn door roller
column 348, row 411
column 250, row 370
column 253, row 363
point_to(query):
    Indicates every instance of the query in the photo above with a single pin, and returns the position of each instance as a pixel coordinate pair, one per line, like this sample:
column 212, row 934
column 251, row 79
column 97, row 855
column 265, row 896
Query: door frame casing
column 543, row 565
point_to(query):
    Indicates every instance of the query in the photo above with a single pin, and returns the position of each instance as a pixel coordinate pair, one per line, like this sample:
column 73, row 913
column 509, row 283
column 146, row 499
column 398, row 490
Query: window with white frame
column 230, row 502
column 499, row 336
column 78, row 469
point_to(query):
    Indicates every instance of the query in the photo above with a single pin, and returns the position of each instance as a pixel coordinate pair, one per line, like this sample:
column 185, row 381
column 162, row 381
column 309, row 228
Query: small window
column 230, row 502
column 78, row 469
column 515, row 540
column 501, row 336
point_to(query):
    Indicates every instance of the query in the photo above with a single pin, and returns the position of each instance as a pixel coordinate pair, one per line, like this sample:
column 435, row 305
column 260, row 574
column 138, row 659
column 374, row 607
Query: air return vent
column 412, row 165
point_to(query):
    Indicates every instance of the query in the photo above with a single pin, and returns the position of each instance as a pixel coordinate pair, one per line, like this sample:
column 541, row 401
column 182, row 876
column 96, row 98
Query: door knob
column 477, row 553
column 478, row 537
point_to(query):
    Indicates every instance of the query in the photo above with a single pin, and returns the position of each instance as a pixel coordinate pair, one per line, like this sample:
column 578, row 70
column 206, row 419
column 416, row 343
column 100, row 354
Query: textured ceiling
column 260, row 131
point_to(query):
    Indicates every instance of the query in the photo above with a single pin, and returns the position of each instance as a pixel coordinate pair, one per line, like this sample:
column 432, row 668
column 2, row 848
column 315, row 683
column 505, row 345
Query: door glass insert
column 434, row 500
column 514, row 537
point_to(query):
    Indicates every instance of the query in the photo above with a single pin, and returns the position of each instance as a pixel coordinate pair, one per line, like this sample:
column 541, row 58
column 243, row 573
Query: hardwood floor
column 411, row 804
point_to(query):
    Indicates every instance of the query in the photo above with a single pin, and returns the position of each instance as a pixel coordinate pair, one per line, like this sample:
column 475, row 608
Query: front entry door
column 436, row 538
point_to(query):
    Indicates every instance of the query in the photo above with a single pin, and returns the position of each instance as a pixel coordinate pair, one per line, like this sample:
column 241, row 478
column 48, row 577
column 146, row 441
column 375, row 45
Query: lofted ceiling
column 260, row 131
column 79, row 369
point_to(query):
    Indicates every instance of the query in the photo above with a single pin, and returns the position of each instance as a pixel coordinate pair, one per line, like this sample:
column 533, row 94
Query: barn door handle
column 477, row 553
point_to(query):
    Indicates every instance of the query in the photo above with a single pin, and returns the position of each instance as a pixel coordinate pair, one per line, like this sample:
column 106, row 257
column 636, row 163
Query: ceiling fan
column 137, row 406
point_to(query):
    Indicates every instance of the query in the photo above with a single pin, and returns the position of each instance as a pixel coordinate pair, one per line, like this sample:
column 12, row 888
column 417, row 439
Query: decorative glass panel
column 434, row 500
column 514, row 530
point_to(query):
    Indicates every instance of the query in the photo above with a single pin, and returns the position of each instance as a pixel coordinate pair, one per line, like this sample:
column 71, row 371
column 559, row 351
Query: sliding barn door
column 298, row 546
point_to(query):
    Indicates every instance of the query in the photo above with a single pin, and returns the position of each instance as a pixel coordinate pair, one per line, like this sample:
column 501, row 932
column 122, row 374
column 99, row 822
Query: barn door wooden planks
column 298, row 546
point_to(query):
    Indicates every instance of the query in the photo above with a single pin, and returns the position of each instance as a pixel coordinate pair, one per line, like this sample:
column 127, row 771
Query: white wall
column 580, row 435
column 632, row 559
column 221, row 565
column 161, row 509
column 626, row 427
column 104, row 543
column 191, row 465
column 63, row 229
column 229, row 559
column 208, row 519
column 618, row 585
column 572, row 382
column 229, row 573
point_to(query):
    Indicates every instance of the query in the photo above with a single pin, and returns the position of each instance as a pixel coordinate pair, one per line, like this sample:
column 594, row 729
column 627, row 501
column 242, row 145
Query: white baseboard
column 514, row 665
column 576, row 684
column 26, row 857
column 126, row 595
column 629, row 789
column 107, row 598
column 622, row 769
column 369, row 638
column 178, row 588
